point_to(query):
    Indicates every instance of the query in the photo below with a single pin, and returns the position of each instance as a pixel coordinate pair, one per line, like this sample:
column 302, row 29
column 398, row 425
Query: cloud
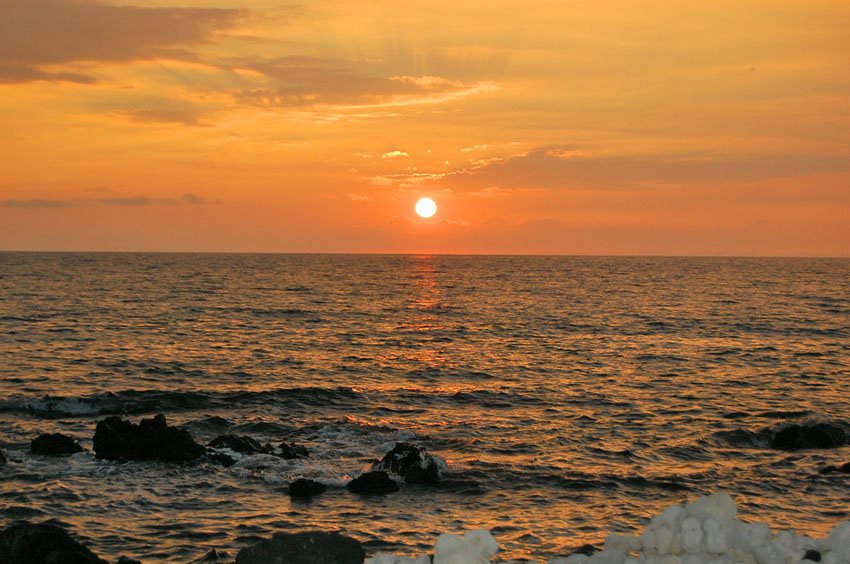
column 572, row 168
column 133, row 201
column 124, row 201
column 12, row 74
column 36, row 203
column 194, row 199
column 39, row 33
column 394, row 155
column 172, row 116
column 298, row 81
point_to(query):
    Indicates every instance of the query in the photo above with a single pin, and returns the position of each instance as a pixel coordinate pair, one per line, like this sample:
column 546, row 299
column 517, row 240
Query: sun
column 426, row 207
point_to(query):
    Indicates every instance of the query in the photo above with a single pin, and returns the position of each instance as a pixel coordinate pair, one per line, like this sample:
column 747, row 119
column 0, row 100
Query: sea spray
column 706, row 531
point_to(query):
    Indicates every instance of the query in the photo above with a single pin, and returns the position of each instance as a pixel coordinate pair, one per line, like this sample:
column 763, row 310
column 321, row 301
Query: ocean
column 570, row 396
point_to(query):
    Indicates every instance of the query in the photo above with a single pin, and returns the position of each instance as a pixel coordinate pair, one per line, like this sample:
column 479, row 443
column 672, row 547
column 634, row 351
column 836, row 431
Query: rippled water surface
column 570, row 396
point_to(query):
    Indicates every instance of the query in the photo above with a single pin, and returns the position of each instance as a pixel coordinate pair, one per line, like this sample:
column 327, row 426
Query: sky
column 651, row 127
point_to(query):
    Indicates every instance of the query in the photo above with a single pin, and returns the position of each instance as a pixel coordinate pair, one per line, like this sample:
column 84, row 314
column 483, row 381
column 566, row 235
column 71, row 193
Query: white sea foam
column 706, row 531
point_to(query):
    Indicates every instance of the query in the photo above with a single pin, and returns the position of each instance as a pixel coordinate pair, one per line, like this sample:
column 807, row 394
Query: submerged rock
column 809, row 435
column 375, row 482
column 844, row 469
column 413, row 463
column 240, row 443
column 128, row 560
column 303, row 548
column 221, row 457
column 42, row 543
column 151, row 439
column 586, row 550
column 305, row 488
column 291, row 451
column 54, row 444
column 214, row 556
column 812, row 556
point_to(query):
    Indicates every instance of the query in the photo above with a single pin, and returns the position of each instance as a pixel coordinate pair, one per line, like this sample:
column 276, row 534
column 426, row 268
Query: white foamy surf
column 706, row 531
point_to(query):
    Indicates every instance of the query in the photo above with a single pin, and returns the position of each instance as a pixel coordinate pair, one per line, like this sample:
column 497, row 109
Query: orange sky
column 556, row 126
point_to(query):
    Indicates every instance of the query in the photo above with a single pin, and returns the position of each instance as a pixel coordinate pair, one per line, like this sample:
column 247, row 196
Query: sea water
column 570, row 396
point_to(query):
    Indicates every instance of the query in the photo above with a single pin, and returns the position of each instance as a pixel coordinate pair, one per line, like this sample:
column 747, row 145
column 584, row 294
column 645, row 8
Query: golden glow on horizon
column 426, row 207
column 566, row 127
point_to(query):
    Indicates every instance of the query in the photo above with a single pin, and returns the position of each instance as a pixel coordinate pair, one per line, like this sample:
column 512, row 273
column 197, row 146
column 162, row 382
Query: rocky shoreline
column 705, row 531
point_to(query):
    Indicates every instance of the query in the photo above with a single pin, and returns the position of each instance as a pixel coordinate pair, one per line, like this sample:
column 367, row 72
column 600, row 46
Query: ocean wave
column 809, row 433
column 132, row 402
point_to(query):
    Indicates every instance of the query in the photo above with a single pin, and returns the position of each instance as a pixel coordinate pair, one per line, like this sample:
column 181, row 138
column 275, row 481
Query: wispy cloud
column 194, row 199
column 573, row 168
column 123, row 201
column 299, row 81
column 36, row 203
column 169, row 116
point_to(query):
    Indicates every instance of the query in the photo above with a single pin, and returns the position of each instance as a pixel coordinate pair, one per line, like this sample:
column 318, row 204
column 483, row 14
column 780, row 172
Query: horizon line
column 443, row 254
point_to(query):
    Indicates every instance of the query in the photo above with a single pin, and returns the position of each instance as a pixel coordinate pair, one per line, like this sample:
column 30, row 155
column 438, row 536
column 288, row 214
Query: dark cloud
column 36, row 33
column 570, row 168
column 11, row 74
column 36, row 203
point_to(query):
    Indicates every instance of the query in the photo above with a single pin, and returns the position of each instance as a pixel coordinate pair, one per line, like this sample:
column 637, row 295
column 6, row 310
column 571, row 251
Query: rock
column 585, row 549
column 214, row 556
column 844, row 469
column 221, row 457
column 812, row 555
column 128, row 560
column 411, row 462
column 240, row 443
column 54, row 444
column 376, row 482
column 306, row 488
column 292, row 451
column 809, row 435
column 2, row 458
column 151, row 439
column 42, row 543
column 303, row 548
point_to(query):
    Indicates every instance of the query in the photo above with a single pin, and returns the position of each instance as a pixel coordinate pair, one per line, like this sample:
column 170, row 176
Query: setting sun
column 426, row 207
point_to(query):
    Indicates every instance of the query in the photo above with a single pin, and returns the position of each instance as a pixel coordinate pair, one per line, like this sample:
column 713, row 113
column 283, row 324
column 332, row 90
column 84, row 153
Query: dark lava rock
column 304, row 548
column 844, row 469
column 214, row 556
column 812, row 555
column 376, row 482
column 54, row 444
column 411, row 462
column 128, row 560
column 2, row 458
column 809, row 435
column 306, row 488
column 292, row 451
column 42, row 543
column 221, row 457
column 585, row 549
column 151, row 439
column 240, row 443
